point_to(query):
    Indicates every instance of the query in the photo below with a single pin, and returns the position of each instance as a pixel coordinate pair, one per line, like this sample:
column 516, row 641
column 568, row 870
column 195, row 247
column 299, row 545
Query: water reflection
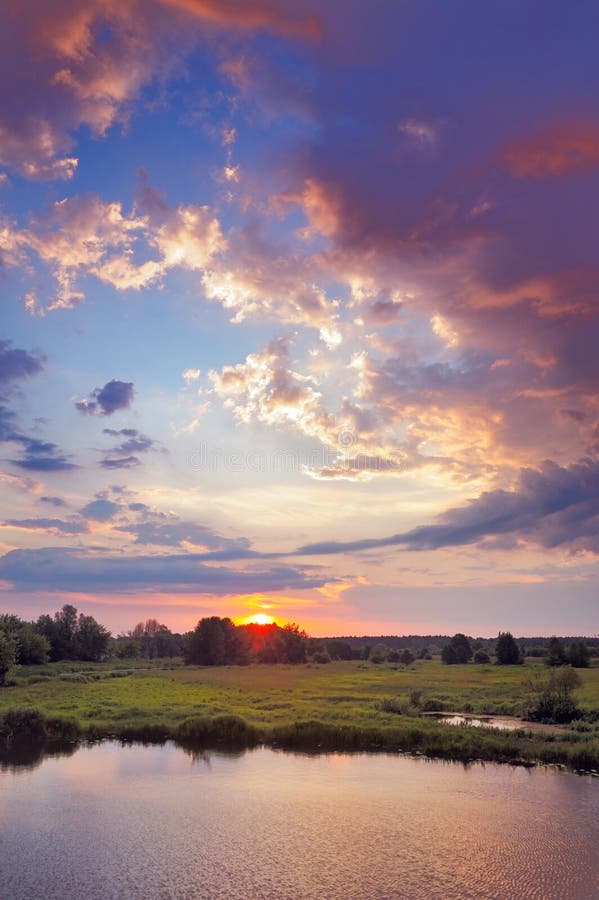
column 116, row 821
column 26, row 755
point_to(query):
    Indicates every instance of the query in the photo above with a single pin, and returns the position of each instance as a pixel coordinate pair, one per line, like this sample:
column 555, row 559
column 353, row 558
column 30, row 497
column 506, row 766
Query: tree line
column 217, row 641
column 65, row 635
column 460, row 650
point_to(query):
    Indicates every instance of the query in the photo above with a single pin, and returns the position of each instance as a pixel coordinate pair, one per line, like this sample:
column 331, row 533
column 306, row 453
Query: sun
column 260, row 619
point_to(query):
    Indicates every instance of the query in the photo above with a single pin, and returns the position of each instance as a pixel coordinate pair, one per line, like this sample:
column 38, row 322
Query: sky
column 299, row 313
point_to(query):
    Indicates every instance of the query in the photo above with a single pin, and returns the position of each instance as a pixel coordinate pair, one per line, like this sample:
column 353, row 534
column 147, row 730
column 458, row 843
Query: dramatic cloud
column 113, row 396
column 84, row 235
column 169, row 531
column 259, row 277
column 83, row 62
column 551, row 506
column 73, row 570
column 375, row 257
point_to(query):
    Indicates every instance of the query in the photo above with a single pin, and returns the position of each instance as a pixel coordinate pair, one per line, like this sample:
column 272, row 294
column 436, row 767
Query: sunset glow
column 256, row 619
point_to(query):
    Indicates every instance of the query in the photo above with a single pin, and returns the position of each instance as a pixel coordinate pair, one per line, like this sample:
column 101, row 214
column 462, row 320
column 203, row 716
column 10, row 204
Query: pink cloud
column 561, row 150
column 64, row 75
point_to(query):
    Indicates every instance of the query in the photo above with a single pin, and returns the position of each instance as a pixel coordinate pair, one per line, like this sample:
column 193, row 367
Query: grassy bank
column 341, row 706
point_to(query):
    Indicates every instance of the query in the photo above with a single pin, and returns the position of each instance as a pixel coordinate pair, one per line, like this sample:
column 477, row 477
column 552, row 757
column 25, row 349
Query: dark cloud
column 123, row 462
column 135, row 442
column 16, row 363
column 54, row 501
column 49, row 525
column 57, row 463
column 104, row 401
column 551, row 506
column 170, row 531
column 100, row 510
column 40, row 456
column 139, row 507
column 72, row 570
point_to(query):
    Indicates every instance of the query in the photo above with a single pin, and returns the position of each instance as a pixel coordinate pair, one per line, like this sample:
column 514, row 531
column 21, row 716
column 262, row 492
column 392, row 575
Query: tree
column 125, row 648
column 215, row 642
column 448, row 655
column 457, row 651
column 32, row 648
column 507, row 651
column 339, row 650
column 91, row 639
column 155, row 640
column 73, row 636
column 206, row 646
column 407, row 657
column 8, row 655
column 66, row 632
column 293, row 643
column 555, row 653
column 577, row 654
column 378, row 654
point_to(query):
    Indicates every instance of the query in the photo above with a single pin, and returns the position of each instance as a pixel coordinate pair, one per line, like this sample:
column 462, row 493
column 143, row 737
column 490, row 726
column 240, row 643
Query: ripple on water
column 114, row 822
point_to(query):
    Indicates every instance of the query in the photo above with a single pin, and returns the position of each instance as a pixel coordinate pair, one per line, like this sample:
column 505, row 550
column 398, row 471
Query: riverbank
column 341, row 706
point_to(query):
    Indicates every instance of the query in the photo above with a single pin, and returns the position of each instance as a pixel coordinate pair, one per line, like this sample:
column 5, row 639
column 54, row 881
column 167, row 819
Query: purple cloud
column 16, row 363
column 100, row 510
column 72, row 570
column 551, row 506
column 52, row 525
column 105, row 401
column 122, row 462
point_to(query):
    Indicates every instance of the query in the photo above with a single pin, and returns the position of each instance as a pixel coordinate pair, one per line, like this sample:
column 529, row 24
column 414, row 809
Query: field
column 343, row 705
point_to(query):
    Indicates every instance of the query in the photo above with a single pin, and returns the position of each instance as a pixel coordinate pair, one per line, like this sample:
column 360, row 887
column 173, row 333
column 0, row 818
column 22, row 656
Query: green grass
column 344, row 705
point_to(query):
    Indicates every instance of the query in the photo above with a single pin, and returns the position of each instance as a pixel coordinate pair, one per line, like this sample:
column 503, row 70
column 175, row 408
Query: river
column 156, row 822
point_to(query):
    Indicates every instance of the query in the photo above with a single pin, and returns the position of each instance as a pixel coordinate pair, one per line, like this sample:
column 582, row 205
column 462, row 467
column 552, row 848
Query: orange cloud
column 563, row 150
column 83, row 236
column 66, row 75
column 247, row 14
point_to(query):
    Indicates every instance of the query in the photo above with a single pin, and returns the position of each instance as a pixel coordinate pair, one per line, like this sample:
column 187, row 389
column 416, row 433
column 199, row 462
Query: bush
column 551, row 697
column 23, row 724
column 202, row 730
column 481, row 656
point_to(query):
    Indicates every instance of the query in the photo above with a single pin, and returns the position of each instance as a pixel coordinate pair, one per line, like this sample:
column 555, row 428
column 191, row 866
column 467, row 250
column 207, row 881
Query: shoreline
column 36, row 735
column 342, row 706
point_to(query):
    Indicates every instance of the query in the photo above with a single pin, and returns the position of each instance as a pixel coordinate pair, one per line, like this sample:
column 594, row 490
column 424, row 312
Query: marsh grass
column 341, row 706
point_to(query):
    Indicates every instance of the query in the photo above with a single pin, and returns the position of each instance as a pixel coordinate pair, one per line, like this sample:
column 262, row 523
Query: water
column 504, row 724
column 153, row 822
